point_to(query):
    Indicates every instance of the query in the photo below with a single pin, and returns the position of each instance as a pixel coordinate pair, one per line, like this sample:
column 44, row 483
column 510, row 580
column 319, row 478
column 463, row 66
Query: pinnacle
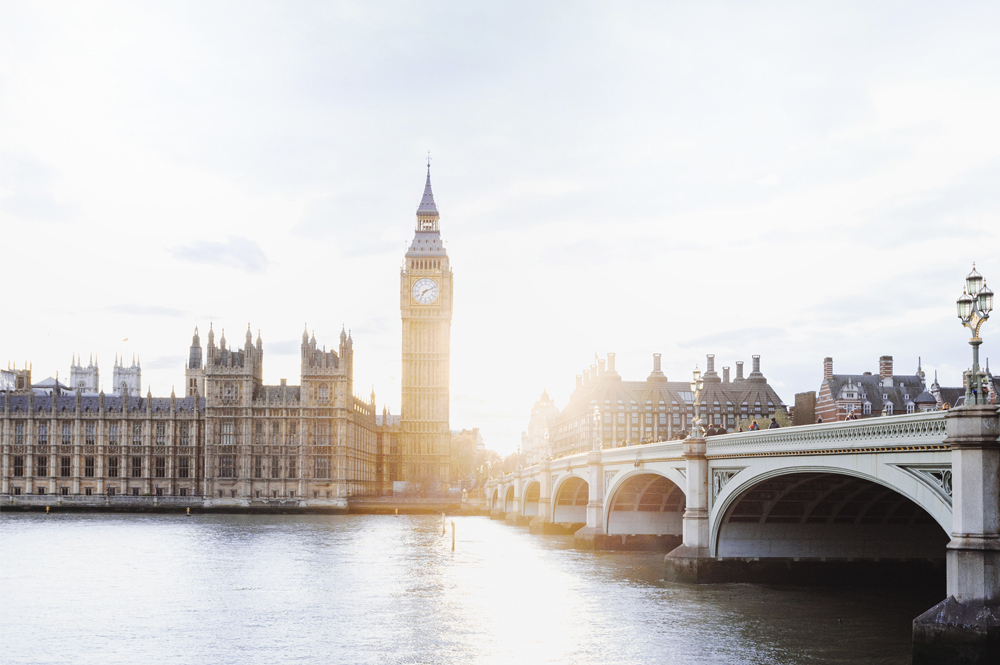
column 427, row 205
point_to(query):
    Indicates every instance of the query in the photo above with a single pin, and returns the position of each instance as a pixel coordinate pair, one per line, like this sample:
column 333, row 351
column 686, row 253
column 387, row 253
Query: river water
column 381, row 589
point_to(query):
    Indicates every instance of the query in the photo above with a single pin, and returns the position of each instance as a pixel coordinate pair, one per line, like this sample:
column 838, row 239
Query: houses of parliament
column 230, row 437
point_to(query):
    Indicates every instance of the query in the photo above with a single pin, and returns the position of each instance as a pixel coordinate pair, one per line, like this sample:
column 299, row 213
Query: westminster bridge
column 868, row 497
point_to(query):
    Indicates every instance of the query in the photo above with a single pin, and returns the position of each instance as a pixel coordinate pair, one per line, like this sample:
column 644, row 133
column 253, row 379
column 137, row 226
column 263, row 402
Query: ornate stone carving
column 937, row 477
column 720, row 477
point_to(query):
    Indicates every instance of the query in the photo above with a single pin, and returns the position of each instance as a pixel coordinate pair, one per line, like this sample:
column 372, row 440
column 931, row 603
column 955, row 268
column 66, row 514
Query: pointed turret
column 305, row 334
column 427, row 213
column 194, row 355
column 427, row 242
column 249, row 338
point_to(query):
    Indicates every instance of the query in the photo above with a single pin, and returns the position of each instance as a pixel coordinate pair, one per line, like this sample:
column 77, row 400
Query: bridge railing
column 913, row 430
column 924, row 430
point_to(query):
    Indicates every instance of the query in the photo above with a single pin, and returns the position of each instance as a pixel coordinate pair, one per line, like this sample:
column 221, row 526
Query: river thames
column 381, row 589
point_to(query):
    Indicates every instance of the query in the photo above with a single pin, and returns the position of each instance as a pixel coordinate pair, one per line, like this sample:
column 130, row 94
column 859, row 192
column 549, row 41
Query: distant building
column 389, row 449
column 240, row 440
column 534, row 441
column 868, row 394
column 656, row 409
column 231, row 437
column 468, row 439
column 127, row 379
column 86, row 380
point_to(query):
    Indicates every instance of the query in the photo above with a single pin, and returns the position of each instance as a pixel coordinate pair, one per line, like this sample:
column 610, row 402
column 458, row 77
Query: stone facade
column 240, row 441
column 232, row 438
column 535, row 440
column 425, row 304
column 656, row 409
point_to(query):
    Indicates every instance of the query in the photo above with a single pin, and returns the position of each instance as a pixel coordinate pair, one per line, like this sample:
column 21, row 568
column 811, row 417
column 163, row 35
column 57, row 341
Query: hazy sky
column 793, row 180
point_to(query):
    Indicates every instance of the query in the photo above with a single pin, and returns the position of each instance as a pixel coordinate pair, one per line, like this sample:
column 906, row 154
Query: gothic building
column 425, row 304
column 632, row 412
column 535, row 440
column 231, row 437
column 869, row 395
column 240, row 440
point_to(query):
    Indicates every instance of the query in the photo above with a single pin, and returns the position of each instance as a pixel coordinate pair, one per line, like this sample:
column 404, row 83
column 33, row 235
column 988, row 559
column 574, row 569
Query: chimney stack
column 611, row 362
column 739, row 370
column 600, row 368
column 725, row 375
column 710, row 363
column 756, row 364
column 579, row 381
column 586, row 376
column 827, row 368
column 885, row 367
column 656, row 362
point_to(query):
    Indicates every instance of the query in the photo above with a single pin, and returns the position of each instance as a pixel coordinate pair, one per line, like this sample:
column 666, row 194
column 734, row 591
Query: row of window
column 113, row 467
column 90, row 434
column 264, row 466
column 111, row 491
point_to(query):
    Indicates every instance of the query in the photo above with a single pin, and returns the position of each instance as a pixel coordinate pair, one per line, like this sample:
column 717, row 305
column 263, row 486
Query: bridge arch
column 529, row 500
column 569, row 502
column 508, row 499
column 646, row 502
column 825, row 512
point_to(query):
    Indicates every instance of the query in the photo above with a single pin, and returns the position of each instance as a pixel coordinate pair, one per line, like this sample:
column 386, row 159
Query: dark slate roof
column 49, row 383
column 904, row 389
column 427, row 205
column 91, row 403
column 272, row 394
column 426, row 244
column 953, row 396
column 925, row 398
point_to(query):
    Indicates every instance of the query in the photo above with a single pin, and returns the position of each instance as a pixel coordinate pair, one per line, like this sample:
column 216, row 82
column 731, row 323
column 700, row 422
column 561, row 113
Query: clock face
column 425, row 291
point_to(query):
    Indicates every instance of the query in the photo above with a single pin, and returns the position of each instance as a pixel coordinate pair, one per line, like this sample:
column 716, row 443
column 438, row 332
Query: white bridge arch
column 906, row 454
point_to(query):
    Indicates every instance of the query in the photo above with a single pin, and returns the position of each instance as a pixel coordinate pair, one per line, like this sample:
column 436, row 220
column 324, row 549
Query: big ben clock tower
column 425, row 303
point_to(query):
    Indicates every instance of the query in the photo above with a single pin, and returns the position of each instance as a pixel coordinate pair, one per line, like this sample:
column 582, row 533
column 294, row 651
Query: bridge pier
column 965, row 627
column 514, row 511
column 592, row 535
column 537, row 525
column 691, row 562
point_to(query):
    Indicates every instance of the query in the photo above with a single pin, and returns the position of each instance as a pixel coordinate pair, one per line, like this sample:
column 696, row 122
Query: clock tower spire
column 425, row 290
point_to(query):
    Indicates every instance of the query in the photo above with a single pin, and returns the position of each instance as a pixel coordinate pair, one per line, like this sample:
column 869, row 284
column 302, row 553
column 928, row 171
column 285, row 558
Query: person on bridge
column 754, row 426
column 774, row 424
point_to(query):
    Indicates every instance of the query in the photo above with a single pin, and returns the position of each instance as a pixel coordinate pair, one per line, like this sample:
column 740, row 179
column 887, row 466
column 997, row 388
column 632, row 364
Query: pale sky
column 793, row 180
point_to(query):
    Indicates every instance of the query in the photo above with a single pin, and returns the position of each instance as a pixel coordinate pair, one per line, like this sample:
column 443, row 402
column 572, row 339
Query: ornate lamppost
column 974, row 308
column 697, row 384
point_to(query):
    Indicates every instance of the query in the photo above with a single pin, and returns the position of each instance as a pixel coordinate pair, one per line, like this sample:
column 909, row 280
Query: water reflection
column 360, row 589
